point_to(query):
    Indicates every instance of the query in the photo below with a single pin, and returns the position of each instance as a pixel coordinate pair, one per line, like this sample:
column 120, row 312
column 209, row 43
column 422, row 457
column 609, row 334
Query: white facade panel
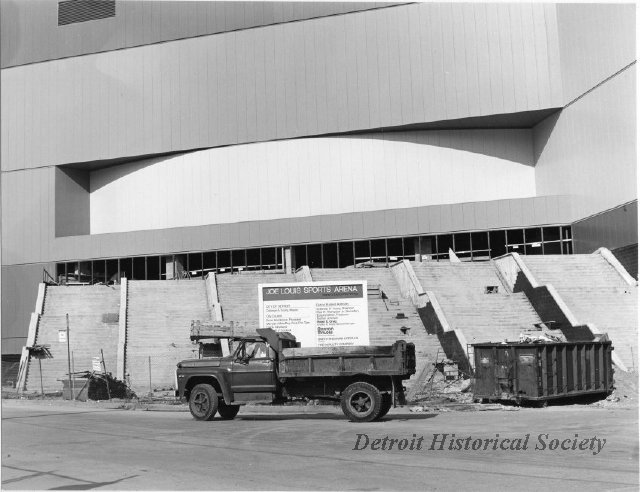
column 590, row 151
column 211, row 91
column 306, row 177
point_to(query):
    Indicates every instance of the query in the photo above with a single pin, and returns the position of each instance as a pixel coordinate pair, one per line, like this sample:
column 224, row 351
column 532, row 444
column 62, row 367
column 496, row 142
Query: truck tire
column 361, row 402
column 387, row 403
column 203, row 402
column 227, row 412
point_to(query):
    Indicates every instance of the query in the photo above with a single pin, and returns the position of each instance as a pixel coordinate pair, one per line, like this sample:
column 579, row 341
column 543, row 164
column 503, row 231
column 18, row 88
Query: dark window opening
column 224, row 261
column 345, row 254
column 330, row 255
column 394, row 249
column 480, row 246
column 428, row 248
column 552, row 248
column 253, row 259
column 363, row 252
column 409, row 246
column 112, row 271
column 268, row 258
column 139, row 271
column 99, row 271
column 314, row 256
column 153, row 268
column 194, row 261
column 533, row 235
column 85, row 273
column 551, row 233
column 462, row 243
column 378, row 250
column 515, row 237
column 238, row 259
column 209, row 263
column 445, row 242
column 126, row 268
column 533, row 249
column 497, row 243
column 61, row 273
column 299, row 256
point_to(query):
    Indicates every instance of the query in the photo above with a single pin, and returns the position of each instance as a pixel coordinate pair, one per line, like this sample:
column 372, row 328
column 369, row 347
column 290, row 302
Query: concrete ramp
column 474, row 304
column 489, row 317
column 596, row 293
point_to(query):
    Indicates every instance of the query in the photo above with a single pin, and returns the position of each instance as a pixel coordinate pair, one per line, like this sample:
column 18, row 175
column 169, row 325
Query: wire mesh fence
column 152, row 374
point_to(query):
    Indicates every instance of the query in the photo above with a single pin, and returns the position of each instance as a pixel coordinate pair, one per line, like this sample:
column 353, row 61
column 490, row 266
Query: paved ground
column 79, row 446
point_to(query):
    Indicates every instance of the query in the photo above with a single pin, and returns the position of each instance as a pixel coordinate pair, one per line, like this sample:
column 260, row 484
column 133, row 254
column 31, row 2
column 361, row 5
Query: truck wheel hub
column 201, row 402
column 361, row 402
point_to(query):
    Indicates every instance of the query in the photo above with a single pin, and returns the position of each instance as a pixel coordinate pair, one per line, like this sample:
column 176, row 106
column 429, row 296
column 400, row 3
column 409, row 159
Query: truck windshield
column 253, row 350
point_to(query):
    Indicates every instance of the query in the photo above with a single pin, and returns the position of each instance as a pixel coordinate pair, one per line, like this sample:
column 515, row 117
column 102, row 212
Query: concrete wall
column 312, row 177
column 72, row 202
column 19, row 293
column 628, row 256
column 379, row 68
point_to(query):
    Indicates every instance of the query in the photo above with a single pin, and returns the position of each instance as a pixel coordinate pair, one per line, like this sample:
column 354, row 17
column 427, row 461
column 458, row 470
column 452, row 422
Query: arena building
column 158, row 139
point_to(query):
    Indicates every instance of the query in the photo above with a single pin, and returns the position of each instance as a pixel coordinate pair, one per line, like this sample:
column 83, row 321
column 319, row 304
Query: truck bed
column 348, row 361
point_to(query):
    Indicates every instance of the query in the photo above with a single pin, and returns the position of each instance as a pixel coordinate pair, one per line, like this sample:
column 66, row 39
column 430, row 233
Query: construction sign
column 318, row 314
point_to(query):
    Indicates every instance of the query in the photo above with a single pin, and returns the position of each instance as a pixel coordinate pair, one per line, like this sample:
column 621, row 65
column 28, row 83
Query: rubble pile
column 101, row 386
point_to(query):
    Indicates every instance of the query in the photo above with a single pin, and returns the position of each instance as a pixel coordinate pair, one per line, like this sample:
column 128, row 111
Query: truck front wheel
column 361, row 402
column 203, row 402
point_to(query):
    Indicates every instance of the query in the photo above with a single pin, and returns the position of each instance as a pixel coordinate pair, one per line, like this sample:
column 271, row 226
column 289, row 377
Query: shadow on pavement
column 330, row 416
column 84, row 485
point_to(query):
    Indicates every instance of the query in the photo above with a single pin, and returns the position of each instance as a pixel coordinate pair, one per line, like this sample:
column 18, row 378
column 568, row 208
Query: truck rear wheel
column 387, row 403
column 361, row 402
column 203, row 402
column 228, row 412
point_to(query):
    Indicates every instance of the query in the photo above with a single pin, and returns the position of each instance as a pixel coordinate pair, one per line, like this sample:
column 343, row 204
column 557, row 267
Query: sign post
column 318, row 314
column 71, row 388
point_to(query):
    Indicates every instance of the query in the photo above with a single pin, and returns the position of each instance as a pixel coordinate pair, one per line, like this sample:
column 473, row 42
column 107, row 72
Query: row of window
column 468, row 246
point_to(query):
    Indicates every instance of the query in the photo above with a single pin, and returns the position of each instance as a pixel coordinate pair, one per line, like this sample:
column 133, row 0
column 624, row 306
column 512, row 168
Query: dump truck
column 272, row 368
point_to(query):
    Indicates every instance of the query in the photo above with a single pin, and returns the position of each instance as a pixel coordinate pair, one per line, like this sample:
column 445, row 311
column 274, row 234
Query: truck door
column 253, row 369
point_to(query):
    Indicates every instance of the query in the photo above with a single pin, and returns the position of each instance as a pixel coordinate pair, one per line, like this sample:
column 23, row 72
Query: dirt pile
column 625, row 394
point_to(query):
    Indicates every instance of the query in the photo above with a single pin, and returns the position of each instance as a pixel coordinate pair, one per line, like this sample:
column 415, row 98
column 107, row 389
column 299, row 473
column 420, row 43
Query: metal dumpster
column 539, row 372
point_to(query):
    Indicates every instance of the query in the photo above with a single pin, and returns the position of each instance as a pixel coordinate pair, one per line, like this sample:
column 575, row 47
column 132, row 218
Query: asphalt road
column 75, row 446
